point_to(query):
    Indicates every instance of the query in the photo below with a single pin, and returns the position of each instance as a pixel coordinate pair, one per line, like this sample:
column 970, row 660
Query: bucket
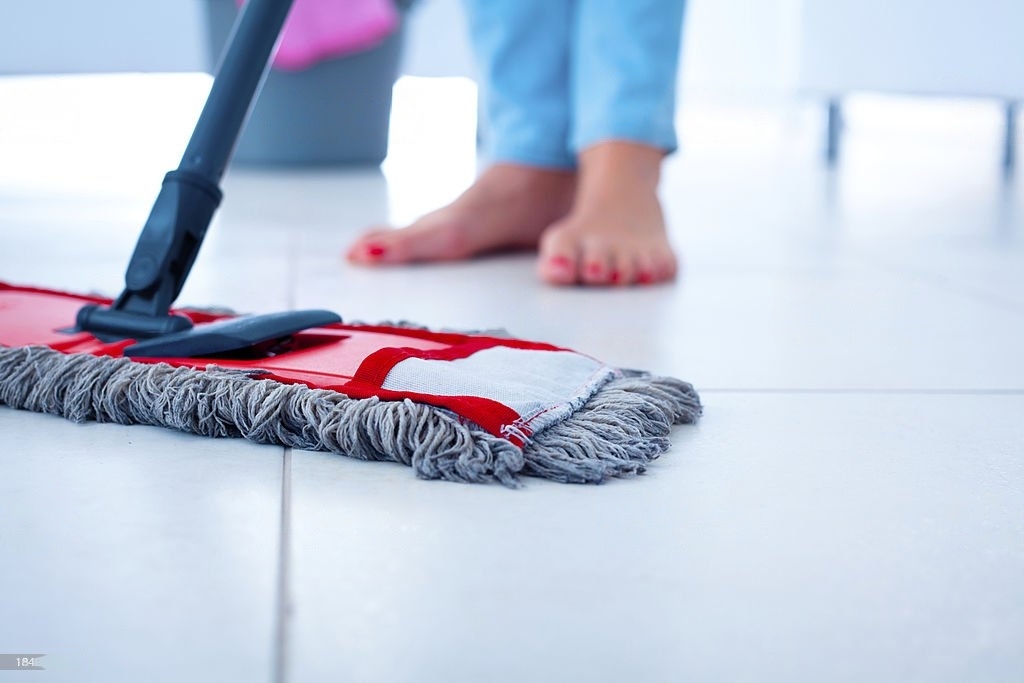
column 335, row 113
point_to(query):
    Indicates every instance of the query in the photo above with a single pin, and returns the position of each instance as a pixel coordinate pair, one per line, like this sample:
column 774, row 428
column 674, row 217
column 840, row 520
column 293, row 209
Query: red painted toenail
column 561, row 262
column 594, row 269
column 376, row 250
column 645, row 278
column 615, row 277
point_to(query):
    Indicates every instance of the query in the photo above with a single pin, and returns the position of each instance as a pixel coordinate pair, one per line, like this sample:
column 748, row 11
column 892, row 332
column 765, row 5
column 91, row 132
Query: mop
column 453, row 406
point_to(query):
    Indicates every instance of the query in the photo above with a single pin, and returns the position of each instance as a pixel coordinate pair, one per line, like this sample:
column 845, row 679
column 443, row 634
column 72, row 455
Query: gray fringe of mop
column 618, row 431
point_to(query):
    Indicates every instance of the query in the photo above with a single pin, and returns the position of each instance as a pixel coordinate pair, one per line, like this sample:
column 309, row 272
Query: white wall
column 437, row 44
column 741, row 47
column 83, row 36
column 940, row 47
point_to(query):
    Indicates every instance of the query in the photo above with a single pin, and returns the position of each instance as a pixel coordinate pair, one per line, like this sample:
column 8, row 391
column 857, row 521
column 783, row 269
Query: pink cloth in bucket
column 317, row 30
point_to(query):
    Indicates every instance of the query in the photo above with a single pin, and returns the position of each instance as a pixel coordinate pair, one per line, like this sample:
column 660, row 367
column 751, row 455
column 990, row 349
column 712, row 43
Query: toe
column 623, row 269
column 425, row 240
column 664, row 268
column 645, row 268
column 597, row 264
column 557, row 270
column 371, row 248
column 559, row 262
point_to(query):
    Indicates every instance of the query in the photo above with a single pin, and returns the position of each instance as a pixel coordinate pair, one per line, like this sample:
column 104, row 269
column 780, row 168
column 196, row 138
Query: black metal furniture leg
column 1010, row 138
column 833, row 130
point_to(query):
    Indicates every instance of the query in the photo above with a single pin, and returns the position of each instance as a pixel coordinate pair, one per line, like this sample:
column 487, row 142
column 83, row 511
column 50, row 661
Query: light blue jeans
column 561, row 75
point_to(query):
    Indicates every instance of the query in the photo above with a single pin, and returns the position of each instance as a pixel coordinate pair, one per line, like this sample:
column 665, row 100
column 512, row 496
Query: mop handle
column 189, row 196
column 242, row 69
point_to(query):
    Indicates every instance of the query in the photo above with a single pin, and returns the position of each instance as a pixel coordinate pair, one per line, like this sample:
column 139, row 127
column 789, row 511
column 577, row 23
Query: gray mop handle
column 242, row 69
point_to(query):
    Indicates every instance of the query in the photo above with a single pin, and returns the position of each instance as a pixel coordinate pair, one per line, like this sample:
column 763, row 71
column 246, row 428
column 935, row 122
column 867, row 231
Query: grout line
column 283, row 606
column 897, row 391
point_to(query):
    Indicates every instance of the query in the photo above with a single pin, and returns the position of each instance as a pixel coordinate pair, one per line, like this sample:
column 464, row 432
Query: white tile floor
column 851, row 508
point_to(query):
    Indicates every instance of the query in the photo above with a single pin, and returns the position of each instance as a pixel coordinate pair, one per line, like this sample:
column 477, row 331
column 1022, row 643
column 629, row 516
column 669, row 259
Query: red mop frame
column 353, row 360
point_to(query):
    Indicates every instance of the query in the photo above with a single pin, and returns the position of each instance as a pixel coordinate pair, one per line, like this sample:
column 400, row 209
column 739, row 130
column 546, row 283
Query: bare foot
column 615, row 234
column 508, row 207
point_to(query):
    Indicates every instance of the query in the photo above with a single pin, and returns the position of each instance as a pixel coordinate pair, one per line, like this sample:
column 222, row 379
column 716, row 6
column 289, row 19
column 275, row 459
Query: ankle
column 528, row 175
column 505, row 182
column 617, row 166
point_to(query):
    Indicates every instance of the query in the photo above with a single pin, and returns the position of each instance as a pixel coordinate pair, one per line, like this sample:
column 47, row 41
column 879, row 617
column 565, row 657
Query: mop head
column 459, row 407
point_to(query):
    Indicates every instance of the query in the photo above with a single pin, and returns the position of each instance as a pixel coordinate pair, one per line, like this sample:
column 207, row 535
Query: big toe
column 571, row 255
column 558, row 263
column 373, row 247
column 422, row 241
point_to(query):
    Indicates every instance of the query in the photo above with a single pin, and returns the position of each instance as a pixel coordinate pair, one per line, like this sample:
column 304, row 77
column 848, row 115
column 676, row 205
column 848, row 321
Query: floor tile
column 136, row 553
column 785, row 538
column 720, row 326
